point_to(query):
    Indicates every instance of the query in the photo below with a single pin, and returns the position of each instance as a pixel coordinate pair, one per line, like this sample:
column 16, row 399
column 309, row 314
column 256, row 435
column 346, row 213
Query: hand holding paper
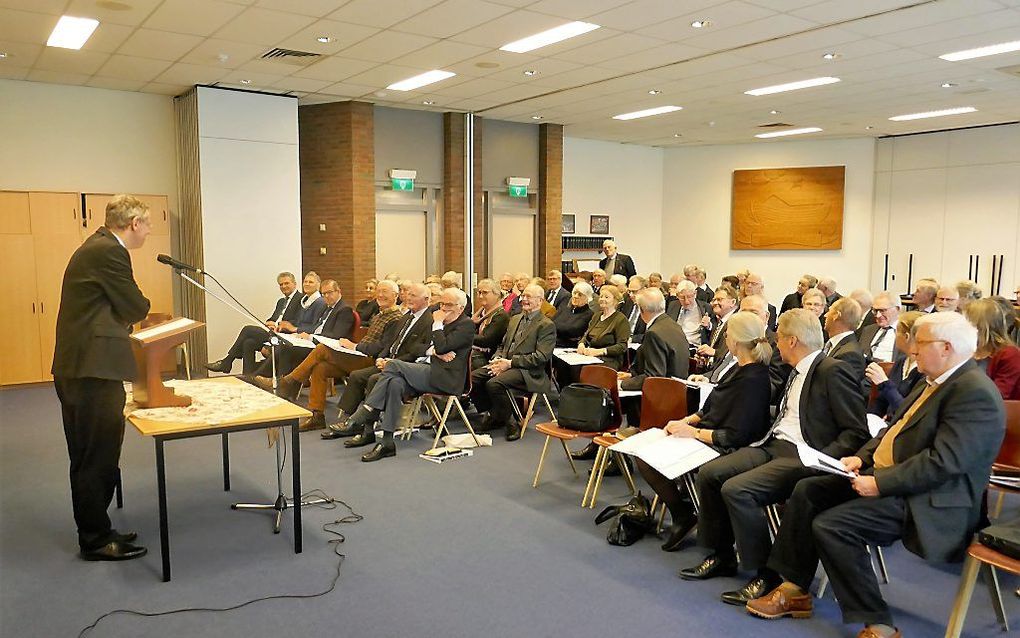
column 816, row 460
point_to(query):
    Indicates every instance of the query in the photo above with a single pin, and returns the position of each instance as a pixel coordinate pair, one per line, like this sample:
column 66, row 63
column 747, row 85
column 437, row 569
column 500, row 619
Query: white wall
column 251, row 208
column 81, row 139
column 624, row 181
column 697, row 183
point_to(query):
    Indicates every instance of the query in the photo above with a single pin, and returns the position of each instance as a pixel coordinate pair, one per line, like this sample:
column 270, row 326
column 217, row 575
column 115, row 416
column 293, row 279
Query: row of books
column 587, row 242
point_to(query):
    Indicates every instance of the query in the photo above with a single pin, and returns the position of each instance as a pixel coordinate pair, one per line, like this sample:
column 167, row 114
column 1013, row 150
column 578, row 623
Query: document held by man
column 335, row 345
column 570, row 357
column 672, row 456
column 814, row 459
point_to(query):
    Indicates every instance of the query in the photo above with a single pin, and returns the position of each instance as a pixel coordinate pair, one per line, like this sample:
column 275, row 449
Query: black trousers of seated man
column 733, row 491
column 248, row 342
column 826, row 519
column 489, row 393
column 359, row 384
column 288, row 357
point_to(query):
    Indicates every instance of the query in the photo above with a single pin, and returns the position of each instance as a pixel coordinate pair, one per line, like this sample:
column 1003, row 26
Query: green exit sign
column 518, row 191
column 401, row 184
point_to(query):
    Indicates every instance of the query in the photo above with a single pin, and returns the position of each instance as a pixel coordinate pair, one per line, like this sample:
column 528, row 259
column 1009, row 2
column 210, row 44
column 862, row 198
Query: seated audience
column 547, row 308
column 598, row 279
column 608, row 332
column 903, row 375
column 921, row 481
column 441, row 370
column 506, row 283
column 779, row 370
column 795, row 299
column 556, row 295
column 435, row 293
column 878, row 340
column 572, row 319
column 735, row 415
column 996, row 353
column 630, row 307
column 968, row 292
column 947, row 299
column 827, row 286
column 520, row 364
column 512, row 304
column 713, row 346
column 367, row 307
column 814, row 301
column 454, row 279
column 616, row 263
column 924, row 295
column 664, row 351
column 250, row 339
column 490, row 323
column 689, row 311
column 864, row 298
column 732, row 281
column 822, row 407
column 404, row 285
column 697, row 276
column 1010, row 312
column 312, row 307
column 753, row 284
column 840, row 321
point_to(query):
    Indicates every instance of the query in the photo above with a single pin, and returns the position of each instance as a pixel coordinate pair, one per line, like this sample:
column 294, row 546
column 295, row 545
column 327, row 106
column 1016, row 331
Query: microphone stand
column 281, row 503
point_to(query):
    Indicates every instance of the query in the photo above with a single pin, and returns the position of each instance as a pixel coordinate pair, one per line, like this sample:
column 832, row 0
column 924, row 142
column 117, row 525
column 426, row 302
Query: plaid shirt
column 379, row 323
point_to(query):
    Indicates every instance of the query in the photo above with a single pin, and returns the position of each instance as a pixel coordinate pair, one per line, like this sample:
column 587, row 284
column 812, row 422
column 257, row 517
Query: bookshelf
column 580, row 248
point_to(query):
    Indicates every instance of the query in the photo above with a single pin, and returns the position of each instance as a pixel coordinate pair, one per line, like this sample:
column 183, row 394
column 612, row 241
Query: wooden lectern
column 150, row 347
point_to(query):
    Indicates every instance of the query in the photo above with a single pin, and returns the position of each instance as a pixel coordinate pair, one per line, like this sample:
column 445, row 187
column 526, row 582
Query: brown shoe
column 868, row 632
column 316, row 422
column 263, row 383
column 776, row 604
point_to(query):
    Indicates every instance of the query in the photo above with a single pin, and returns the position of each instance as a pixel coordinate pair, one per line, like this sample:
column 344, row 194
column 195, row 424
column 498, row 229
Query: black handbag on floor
column 585, row 408
column 630, row 521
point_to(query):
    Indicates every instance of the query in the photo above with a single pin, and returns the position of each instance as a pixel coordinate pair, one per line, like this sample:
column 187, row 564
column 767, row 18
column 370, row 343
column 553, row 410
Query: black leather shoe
column 714, row 565
column 678, row 532
column 115, row 550
column 587, row 453
column 513, row 431
column 223, row 365
column 755, row 588
column 361, row 440
column 487, row 424
column 127, row 537
column 380, row 451
column 339, row 431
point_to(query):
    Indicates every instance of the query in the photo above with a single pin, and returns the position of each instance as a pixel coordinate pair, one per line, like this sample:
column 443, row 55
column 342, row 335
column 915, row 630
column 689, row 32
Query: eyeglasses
column 448, row 304
column 879, row 311
column 922, row 342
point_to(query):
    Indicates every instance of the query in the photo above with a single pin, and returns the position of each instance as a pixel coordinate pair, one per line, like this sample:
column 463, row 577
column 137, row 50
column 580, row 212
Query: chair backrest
column 662, row 400
column 605, row 377
column 359, row 333
column 1009, row 453
column 357, row 322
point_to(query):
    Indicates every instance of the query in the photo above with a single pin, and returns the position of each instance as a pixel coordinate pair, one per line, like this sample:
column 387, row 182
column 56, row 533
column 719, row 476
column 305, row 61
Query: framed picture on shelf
column 599, row 225
column 568, row 224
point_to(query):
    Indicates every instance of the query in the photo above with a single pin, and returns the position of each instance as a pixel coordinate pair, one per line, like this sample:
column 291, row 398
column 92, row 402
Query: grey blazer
column 532, row 354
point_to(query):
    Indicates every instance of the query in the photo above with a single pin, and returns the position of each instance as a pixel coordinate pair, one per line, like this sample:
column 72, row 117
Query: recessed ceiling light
column 530, row 72
column 830, row 56
column 947, row 85
column 676, row 135
column 429, row 77
column 774, row 112
column 72, row 33
column 659, row 110
column 3, row 54
column 654, row 92
column 793, row 131
column 927, row 114
column 245, row 81
column 700, row 24
column 868, row 128
column 995, row 49
column 427, row 102
column 536, row 117
column 325, row 39
column 792, row 86
column 550, row 36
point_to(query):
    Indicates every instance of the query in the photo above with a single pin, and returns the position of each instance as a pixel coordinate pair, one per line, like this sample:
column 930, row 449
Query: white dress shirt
column 788, row 428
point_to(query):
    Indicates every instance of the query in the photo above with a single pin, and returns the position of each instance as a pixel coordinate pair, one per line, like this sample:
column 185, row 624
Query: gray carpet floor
column 467, row 548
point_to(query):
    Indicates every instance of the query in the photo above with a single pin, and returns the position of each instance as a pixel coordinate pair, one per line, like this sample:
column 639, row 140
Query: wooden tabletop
column 286, row 410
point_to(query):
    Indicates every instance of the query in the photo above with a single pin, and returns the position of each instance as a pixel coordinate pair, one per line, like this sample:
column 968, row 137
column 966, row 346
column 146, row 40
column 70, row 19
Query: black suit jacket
column 849, row 351
column 704, row 294
column 562, row 297
column 291, row 308
column 99, row 302
column 415, row 343
column 719, row 343
column 663, row 353
column 790, row 301
column 773, row 319
column 867, row 336
column 340, row 322
column 624, row 266
column 457, row 337
column 942, row 460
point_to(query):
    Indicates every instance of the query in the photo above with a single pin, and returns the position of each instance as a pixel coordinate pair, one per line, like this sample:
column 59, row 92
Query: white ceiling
column 888, row 58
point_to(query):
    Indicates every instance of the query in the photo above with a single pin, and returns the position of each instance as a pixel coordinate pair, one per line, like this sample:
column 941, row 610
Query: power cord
column 332, row 528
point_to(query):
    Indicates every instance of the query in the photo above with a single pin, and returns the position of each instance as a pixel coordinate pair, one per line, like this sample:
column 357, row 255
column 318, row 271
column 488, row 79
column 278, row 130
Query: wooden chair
column 979, row 556
column 886, row 368
column 1007, row 463
column 598, row 375
column 662, row 400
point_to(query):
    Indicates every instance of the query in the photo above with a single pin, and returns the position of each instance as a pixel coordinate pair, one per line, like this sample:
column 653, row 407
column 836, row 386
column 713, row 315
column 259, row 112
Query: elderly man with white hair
column 615, row 262
column 924, row 295
column 664, row 351
column 828, row 287
column 947, row 299
column 921, row 480
column 878, row 341
column 687, row 310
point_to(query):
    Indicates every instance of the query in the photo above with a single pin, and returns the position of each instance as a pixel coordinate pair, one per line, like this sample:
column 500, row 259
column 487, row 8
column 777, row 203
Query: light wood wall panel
column 788, row 208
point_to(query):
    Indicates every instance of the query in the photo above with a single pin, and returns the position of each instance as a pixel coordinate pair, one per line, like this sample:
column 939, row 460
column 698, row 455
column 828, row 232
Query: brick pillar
column 337, row 155
column 550, row 197
column 452, row 247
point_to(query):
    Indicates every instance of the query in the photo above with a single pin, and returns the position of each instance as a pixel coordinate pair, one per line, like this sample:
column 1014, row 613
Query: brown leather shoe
column 868, row 632
column 316, row 422
column 776, row 604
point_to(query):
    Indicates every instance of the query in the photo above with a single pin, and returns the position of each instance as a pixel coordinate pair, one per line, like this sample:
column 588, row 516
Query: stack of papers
column 334, row 344
column 814, row 459
column 441, row 454
column 570, row 357
column 671, row 456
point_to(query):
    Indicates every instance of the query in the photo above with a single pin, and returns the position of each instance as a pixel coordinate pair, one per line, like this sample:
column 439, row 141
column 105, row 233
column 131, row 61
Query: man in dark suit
column 697, row 276
column 490, row 323
column 724, row 304
column 251, row 338
column 630, row 308
column 822, row 407
column 616, row 263
column 687, row 310
column 92, row 358
column 878, row 340
column 793, row 300
column 557, row 294
column 779, row 370
column 406, row 339
column 828, row 287
column 520, row 364
column 840, row 320
column 921, row 480
column 755, row 285
column 442, row 370
column 864, row 298
column 664, row 351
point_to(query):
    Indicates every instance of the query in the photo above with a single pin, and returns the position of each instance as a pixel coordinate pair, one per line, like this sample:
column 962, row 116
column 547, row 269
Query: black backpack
column 585, row 407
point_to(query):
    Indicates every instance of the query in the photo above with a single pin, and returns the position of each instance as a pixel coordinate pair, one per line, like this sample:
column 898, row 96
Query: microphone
column 178, row 265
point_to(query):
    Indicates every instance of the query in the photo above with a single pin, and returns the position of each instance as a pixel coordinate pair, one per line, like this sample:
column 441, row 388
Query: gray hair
column 491, row 284
column 641, row 280
column 969, row 290
column 849, row 311
column 287, row 275
column 585, row 289
column 459, row 295
column 534, row 290
column 814, row 292
column 803, row 324
column 651, row 300
column 685, row 284
column 314, row 275
column 618, row 280
column 894, row 300
column 452, row 278
column 863, row 297
column 827, row 282
column 599, row 271
column 928, row 286
column 123, row 209
column 419, row 289
column 388, row 284
column 953, row 328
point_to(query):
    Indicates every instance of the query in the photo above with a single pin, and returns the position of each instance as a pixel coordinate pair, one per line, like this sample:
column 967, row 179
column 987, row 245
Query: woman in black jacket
column 736, row 414
column 572, row 318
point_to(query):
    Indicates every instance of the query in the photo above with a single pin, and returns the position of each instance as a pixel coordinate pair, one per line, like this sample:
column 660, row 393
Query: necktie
column 322, row 323
column 683, row 315
column 827, row 349
column 552, row 295
column 786, row 395
column 883, row 456
column 403, row 333
column 519, row 334
column 484, row 323
column 880, row 336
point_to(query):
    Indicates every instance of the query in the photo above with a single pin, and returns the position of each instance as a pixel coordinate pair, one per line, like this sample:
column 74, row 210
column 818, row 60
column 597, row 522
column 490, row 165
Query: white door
column 400, row 243
column 513, row 243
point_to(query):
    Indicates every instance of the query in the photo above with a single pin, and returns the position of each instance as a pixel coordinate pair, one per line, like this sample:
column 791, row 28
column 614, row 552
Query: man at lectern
column 98, row 304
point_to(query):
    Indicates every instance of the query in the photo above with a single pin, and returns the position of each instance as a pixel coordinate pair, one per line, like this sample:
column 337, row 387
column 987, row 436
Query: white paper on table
column 876, row 424
column 570, row 357
column 816, row 460
column 334, row 344
column 154, row 331
column 295, row 340
column 671, row 456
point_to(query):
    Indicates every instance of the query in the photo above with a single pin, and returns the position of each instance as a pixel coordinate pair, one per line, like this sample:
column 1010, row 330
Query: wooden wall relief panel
column 788, row 209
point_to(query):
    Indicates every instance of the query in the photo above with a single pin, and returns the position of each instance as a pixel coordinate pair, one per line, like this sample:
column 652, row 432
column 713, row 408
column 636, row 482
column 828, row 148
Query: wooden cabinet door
column 155, row 279
column 159, row 213
column 52, row 253
column 14, row 216
column 20, row 356
column 55, row 213
column 95, row 213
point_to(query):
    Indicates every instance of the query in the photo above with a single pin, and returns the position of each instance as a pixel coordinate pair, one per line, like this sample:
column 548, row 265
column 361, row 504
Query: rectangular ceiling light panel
column 792, row 86
column 552, row 36
column 72, row 33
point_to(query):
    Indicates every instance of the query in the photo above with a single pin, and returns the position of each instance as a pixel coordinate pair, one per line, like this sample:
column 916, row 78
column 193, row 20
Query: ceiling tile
column 346, row 89
column 70, row 61
column 368, row 12
column 344, row 34
column 545, row 68
column 610, row 48
column 130, row 13
column 502, row 60
column 929, row 13
column 315, row 8
column 56, row 77
column 13, row 72
column 777, row 26
column 654, row 57
column 160, row 45
column 442, row 54
column 116, row 84
column 23, row 26
column 166, row 89
column 196, row 17
column 263, row 26
column 188, row 74
column 133, row 68
column 974, row 28
column 19, row 54
column 573, row 10
column 256, row 81
column 301, row 84
column 511, row 27
column 576, row 77
column 386, row 45
column 386, row 74
column 472, row 88
column 107, row 38
column 831, row 11
column 451, row 17
column 334, row 69
column 223, row 53
column 52, row 7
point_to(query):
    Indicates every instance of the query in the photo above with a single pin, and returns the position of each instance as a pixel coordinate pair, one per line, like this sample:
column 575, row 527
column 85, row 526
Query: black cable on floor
column 332, row 528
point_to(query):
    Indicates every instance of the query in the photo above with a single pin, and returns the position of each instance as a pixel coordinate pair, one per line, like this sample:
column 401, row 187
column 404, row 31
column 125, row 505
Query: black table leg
column 296, row 466
column 226, row 461
column 164, row 528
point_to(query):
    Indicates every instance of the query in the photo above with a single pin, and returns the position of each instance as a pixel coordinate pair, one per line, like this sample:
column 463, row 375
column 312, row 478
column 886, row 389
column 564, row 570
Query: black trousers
column 677, row 500
column 248, row 342
column 93, row 414
column 733, row 491
column 359, row 385
column 488, row 393
column 826, row 519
